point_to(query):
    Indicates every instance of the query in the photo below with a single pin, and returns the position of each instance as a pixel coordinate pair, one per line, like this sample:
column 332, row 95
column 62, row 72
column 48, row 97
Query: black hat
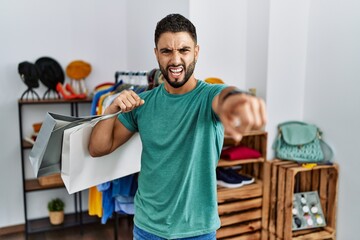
column 51, row 72
column 29, row 73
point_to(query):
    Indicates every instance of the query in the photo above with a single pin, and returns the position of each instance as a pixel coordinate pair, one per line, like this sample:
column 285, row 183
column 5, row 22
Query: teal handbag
column 301, row 142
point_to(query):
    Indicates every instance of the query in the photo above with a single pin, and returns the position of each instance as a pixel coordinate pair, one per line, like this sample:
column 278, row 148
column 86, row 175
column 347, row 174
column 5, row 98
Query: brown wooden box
column 284, row 178
column 240, row 209
column 51, row 180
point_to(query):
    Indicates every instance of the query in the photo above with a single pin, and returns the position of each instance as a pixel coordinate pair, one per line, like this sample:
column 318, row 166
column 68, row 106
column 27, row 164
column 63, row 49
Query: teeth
column 176, row 70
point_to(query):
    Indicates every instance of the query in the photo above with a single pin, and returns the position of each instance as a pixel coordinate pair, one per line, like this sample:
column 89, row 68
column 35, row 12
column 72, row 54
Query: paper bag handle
column 99, row 118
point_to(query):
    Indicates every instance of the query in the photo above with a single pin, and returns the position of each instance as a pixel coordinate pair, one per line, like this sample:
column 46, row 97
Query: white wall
column 221, row 28
column 332, row 98
column 313, row 59
column 142, row 19
column 286, row 63
column 257, row 38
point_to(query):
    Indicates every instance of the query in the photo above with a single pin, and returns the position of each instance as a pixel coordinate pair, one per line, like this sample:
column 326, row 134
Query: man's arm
column 107, row 135
column 239, row 112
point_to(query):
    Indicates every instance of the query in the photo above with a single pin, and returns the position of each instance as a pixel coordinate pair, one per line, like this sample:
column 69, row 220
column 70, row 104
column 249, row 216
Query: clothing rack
column 151, row 79
column 130, row 77
column 138, row 81
column 133, row 78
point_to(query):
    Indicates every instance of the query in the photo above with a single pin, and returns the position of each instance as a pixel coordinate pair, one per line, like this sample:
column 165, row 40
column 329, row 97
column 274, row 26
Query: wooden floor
column 94, row 231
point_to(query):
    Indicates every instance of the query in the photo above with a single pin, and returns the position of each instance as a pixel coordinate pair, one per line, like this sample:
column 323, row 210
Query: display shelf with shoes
column 230, row 178
column 240, row 186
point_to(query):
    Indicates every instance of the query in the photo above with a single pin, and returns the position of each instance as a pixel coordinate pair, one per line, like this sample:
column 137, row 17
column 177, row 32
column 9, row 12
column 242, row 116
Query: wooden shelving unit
column 240, row 209
column 32, row 185
column 70, row 220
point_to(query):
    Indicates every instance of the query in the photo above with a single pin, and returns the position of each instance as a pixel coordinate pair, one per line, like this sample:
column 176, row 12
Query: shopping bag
column 45, row 154
column 81, row 171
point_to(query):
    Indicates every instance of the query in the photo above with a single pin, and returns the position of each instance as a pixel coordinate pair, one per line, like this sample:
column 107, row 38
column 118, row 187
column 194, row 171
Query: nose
column 176, row 58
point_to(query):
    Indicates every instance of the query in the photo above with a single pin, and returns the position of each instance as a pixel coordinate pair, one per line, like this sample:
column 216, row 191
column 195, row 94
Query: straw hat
column 78, row 70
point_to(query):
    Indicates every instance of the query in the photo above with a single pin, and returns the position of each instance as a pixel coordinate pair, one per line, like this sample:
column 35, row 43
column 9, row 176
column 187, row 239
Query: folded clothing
column 239, row 152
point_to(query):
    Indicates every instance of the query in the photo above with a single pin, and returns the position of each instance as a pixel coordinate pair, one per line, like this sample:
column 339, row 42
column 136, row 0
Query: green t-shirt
column 182, row 139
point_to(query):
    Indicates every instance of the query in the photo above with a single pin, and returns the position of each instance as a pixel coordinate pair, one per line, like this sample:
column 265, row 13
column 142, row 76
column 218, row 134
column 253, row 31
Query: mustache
column 179, row 65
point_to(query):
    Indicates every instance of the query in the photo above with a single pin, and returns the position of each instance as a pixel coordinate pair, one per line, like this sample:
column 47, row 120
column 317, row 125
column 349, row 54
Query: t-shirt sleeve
column 214, row 91
column 129, row 121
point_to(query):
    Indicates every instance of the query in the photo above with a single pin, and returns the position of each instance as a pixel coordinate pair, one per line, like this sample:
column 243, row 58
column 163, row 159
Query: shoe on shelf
column 73, row 92
column 245, row 179
column 226, row 179
column 236, row 167
column 63, row 92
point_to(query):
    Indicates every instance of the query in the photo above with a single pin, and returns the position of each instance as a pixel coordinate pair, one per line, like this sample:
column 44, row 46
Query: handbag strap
column 327, row 151
column 291, row 122
column 300, row 123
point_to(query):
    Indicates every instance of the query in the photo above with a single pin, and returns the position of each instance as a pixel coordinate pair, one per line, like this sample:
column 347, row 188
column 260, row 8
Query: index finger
column 230, row 128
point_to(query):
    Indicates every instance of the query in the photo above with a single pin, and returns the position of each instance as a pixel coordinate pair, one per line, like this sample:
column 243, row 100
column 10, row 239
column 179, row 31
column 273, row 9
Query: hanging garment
column 95, row 202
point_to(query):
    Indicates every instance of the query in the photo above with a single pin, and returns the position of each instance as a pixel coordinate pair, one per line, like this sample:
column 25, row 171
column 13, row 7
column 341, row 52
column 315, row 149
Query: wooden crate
column 284, row 178
column 240, row 209
column 254, row 167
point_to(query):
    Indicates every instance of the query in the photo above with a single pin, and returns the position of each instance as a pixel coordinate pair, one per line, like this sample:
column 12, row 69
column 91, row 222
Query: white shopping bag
column 45, row 155
column 80, row 171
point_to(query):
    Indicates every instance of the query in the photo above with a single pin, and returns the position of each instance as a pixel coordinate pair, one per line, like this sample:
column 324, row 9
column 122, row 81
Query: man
column 181, row 124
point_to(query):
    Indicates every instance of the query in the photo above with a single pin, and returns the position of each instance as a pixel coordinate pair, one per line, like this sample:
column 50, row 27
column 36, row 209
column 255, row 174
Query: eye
column 184, row 50
column 165, row 51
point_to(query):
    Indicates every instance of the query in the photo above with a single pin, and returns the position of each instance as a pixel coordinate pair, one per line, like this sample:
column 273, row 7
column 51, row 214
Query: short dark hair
column 175, row 23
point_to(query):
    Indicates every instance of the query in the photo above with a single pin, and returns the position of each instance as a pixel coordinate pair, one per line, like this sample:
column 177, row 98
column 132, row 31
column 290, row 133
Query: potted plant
column 56, row 211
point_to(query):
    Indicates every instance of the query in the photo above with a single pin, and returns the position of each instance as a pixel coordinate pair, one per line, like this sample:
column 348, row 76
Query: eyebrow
column 169, row 49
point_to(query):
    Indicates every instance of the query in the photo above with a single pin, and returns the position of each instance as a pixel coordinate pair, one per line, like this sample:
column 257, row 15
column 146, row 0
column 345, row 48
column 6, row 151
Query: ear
column 156, row 53
column 196, row 50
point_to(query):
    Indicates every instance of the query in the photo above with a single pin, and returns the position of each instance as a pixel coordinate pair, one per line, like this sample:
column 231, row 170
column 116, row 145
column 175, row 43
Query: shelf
column 314, row 233
column 248, row 191
column 320, row 233
column 240, row 217
column 49, row 182
column 70, row 220
column 26, row 144
column 33, row 185
column 228, row 163
column 240, row 209
column 55, row 101
column 241, row 228
column 235, row 206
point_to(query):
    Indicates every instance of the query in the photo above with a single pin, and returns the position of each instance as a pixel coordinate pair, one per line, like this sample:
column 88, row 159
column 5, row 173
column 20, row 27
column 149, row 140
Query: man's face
column 176, row 54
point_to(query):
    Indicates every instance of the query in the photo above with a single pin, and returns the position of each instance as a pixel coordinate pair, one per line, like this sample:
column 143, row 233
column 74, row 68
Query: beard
column 179, row 83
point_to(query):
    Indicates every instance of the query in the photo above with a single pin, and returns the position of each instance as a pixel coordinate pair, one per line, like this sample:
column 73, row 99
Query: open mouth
column 175, row 72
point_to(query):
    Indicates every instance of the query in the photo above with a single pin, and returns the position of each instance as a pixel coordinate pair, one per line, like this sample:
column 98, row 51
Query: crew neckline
column 182, row 94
